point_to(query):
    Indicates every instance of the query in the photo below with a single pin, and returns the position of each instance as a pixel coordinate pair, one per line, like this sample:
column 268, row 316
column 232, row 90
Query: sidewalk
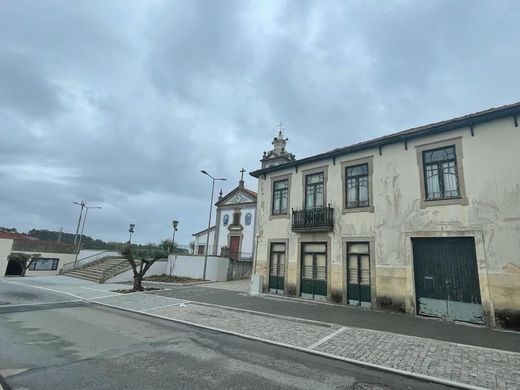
column 349, row 316
column 443, row 362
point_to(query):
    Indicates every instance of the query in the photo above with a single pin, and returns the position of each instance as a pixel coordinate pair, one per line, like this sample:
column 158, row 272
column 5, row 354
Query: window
column 44, row 264
column 357, row 186
column 280, row 197
column 236, row 218
column 314, row 191
column 440, row 173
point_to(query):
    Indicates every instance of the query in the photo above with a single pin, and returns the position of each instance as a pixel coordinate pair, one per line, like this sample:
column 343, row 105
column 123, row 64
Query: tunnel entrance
column 14, row 268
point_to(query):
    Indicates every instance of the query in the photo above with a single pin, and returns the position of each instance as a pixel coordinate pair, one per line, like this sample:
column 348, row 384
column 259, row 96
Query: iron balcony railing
column 317, row 219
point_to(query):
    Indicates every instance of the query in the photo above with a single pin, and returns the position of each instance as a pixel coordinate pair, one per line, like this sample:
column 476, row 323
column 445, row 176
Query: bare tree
column 141, row 261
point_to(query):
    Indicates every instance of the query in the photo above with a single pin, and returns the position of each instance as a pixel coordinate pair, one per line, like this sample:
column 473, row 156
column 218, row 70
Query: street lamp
column 82, row 204
column 175, row 224
column 213, row 179
column 131, row 230
column 83, row 227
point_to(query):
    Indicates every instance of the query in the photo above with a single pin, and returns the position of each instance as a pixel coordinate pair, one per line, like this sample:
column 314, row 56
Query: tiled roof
column 401, row 136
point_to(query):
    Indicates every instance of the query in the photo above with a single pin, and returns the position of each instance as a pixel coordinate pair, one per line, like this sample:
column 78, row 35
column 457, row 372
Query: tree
column 141, row 261
column 23, row 259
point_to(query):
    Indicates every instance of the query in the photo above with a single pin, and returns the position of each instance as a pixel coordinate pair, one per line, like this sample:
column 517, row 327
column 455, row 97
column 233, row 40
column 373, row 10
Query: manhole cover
column 370, row 386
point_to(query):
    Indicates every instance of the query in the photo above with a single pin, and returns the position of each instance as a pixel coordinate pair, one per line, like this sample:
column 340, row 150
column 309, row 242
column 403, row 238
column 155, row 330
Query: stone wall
column 239, row 270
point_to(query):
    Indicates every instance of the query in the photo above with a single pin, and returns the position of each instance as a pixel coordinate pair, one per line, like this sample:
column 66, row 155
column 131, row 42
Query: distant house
column 46, row 257
column 424, row 221
column 233, row 234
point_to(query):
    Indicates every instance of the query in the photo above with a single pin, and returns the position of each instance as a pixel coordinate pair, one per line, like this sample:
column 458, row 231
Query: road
column 49, row 341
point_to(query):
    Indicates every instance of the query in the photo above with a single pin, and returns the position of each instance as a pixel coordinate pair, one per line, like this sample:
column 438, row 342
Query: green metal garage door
column 446, row 278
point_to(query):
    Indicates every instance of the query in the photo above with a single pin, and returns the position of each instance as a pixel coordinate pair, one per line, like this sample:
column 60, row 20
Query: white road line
column 327, row 338
column 294, row 347
column 97, row 289
column 40, row 303
column 172, row 304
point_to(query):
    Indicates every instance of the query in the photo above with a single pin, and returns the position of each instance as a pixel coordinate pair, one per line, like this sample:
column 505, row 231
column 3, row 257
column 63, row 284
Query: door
column 277, row 268
column 234, row 247
column 314, row 271
column 358, row 274
column 446, row 278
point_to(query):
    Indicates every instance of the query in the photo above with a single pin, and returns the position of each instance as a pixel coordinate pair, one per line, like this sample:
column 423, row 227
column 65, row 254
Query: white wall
column 193, row 266
column 5, row 249
column 158, row 268
column 248, row 232
column 201, row 240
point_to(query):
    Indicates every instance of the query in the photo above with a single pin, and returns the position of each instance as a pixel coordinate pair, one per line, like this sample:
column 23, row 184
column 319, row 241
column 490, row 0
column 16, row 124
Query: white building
column 424, row 221
column 233, row 234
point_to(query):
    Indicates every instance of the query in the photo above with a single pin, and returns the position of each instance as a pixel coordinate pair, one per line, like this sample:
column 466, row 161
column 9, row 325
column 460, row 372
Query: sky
column 122, row 103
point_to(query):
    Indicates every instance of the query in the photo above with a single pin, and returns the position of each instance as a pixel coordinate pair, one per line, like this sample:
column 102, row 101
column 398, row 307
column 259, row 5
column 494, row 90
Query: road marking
column 97, row 289
column 294, row 347
column 172, row 304
column 39, row 303
column 327, row 338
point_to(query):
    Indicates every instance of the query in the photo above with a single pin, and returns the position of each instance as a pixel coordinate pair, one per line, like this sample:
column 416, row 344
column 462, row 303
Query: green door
column 314, row 271
column 446, row 278
column 358, row 274
column 277, row 268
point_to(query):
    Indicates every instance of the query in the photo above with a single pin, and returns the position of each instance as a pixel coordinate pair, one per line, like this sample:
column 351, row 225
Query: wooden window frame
column 457, row 143
column 275, row 179
column 351, row 163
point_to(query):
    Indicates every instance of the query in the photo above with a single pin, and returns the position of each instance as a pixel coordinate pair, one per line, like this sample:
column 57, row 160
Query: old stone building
column 424, row 221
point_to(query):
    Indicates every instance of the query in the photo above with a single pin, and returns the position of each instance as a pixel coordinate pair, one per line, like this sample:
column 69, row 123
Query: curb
column 427, row 378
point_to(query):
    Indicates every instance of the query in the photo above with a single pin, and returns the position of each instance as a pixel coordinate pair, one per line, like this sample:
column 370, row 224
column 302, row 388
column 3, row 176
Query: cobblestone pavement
column 474, row 366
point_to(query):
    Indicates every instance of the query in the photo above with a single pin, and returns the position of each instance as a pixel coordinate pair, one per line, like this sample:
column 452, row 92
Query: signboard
column 44, row 264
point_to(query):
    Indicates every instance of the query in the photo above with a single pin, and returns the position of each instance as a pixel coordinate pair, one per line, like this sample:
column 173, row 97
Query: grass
column 170, row 279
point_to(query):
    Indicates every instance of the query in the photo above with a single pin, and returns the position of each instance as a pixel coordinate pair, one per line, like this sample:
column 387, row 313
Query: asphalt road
column 75, row 345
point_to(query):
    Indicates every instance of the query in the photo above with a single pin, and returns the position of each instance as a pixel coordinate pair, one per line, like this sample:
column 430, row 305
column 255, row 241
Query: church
column 233, row 234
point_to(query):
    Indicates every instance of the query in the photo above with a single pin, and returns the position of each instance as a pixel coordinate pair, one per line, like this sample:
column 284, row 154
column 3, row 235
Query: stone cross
column 242, row 172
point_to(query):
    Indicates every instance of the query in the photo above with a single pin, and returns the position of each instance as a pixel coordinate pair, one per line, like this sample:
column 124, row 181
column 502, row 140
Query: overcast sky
column 122, row 103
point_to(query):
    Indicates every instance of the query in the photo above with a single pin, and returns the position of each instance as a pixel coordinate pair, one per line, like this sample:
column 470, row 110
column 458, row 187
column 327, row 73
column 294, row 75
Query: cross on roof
column 242, row 172
column 280, row 126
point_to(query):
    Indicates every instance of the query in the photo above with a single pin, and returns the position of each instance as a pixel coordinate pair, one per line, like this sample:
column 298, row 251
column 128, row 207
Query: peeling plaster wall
column 491, row 171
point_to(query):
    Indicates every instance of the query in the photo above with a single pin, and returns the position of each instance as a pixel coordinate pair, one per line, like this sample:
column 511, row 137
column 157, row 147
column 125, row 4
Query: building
column 423, row 221
column 46, row 258
column 233, row 234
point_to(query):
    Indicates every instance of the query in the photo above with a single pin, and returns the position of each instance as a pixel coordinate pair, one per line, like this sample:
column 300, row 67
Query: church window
column 236, row 218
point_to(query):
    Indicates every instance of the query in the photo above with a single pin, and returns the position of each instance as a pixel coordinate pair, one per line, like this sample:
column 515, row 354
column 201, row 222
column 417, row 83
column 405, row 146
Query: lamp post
column 82, row 204
column 213, row 179
column 131, row 230
column 175, row 224
column 83, row 227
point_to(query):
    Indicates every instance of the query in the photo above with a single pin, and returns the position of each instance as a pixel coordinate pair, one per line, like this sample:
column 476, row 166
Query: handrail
column 87, row 260
column 107, row 273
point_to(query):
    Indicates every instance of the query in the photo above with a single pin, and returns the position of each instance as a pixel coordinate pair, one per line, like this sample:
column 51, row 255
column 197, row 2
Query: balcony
column 313, row 220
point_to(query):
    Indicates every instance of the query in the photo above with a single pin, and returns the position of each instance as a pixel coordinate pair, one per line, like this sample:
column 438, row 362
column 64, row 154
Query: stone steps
column 96, row 271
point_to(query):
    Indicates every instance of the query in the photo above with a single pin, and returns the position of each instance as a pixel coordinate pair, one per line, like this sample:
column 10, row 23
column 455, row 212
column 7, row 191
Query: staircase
column 100, row 270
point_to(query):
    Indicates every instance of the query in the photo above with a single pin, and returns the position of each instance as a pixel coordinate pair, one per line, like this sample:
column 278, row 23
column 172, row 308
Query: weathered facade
column 424, row 221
